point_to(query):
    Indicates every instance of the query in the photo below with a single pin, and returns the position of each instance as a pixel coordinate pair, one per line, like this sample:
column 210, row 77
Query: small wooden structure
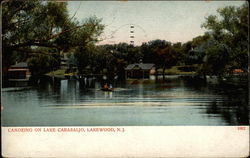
column 139, row 70
column 19, row 72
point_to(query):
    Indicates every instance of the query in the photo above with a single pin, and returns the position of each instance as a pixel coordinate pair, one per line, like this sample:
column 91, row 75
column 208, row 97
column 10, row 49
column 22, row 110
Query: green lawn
column 59, row 72
column 175, row 71
column 172, row 71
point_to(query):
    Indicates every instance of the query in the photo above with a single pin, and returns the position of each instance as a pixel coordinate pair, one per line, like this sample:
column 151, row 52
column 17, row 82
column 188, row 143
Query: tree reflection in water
column 234, row 109
column 173, row 101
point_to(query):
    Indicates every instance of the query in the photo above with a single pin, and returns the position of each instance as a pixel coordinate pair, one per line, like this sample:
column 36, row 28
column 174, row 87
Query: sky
column 174, row 21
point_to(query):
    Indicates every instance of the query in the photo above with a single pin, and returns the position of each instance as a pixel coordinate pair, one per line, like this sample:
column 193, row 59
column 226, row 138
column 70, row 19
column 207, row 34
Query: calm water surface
column 175, row 101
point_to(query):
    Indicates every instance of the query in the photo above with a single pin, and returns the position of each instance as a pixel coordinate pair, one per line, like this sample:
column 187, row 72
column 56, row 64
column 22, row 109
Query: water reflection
column 174, row 101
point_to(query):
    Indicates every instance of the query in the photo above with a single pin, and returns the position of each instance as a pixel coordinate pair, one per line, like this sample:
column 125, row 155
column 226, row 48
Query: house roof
column 20, row 65
column 145, row 66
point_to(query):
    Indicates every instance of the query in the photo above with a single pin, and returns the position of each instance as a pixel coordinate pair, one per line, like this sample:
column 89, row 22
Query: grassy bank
column 176, row 70
column 59, row 72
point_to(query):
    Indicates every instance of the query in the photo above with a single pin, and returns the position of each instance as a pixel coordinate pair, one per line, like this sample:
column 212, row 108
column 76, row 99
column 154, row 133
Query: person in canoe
column 107, row 88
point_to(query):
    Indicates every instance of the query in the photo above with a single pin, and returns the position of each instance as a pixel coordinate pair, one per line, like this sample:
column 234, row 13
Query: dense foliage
column 223, row 48
column 39, row 31
column 229, row 40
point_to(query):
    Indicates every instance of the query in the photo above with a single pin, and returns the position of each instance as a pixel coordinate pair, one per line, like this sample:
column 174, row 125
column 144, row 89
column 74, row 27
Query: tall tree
column 229, row 30
column 198, row 48
column 28, row 25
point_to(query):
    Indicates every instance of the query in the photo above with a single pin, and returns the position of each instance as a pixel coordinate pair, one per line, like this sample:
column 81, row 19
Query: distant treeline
column 40, row 31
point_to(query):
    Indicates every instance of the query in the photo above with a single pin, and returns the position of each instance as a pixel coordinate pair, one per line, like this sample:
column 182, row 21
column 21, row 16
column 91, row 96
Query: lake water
column 174, row 101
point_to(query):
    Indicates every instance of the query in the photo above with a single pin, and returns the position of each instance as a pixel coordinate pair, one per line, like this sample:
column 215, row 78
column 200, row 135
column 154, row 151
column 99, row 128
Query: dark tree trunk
column 163, row 72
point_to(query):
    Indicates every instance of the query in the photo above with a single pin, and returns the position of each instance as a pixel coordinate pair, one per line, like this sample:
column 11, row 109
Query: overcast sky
column 174, row 21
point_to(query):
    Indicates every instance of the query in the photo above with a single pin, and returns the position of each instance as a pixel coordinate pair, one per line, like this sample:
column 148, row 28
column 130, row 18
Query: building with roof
column 19, row 72
column 139, row 70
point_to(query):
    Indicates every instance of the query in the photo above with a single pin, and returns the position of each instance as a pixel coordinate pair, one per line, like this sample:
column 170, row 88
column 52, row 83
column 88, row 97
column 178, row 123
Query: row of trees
column 38, row 32
column 223, row 48
column 112, row 59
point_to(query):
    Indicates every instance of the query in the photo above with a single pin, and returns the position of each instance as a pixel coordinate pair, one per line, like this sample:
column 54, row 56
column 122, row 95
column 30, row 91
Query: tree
column 29, row 25
column 185, row 49
column 42, row 60
column 151, row 51
column 229, row 30
column 198, row 47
